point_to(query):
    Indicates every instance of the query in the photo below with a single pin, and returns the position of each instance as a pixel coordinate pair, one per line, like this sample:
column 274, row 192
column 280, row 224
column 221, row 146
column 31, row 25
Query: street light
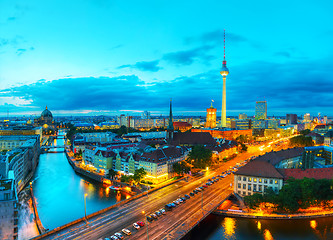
column 143, row 212
column 85, row 205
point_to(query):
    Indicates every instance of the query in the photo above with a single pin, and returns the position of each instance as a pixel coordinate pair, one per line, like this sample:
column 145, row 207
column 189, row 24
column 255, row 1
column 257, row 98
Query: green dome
column 46, row 113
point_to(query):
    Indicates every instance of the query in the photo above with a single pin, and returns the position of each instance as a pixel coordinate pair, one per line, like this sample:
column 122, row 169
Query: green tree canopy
column 202, row 156
column 139, row 174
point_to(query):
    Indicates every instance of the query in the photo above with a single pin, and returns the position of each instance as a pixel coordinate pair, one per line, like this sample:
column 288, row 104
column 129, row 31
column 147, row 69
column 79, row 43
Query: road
column 170, row 226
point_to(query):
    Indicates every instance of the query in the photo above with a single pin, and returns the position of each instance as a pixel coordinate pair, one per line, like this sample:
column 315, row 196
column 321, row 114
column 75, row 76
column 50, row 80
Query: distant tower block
column 211, row 117
column 224, row 72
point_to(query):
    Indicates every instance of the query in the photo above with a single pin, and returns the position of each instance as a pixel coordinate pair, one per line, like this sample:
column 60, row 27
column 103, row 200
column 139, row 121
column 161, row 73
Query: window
column 271, row 181
column 265, row 188
column 250, row 179
column 254, row 188
column 239, row 185
column 276, row 181
column 249, row 187
column 244, row 178
column 265, row 180
column 260, row 188
column 239, row 178
column 260, row 180
column 244, row 193
column 244, row 186
column 254, row 180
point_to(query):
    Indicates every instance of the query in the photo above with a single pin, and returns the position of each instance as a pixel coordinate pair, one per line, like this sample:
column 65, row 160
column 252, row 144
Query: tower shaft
column 224, row 104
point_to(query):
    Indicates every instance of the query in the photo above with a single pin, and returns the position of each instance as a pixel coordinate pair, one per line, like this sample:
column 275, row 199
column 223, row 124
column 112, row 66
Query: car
column 176, row 202
column 136, row 226
column 141, row 224
column 162, row 211
column 168, row 207
column 192, row 194
column 187, row 196
column 119, row 235
column 173, row 205
column 180, row 200
column 205, row 186
column 112, row 238
column 150, row 218
column 154, row 216
column 126, row 231
column 199, row 189
column 213, row 177
column 109, row 238
column 183, row 198
column 158, row 214
column 209, row 180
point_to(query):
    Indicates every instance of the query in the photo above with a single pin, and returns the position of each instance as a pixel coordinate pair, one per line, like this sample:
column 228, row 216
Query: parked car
column 192, row 194
column 173, row 205
column 154, row 216
column 150, row 218
column 158, row 214
column 119, row 235
column 126, row 231
column 205, row 186
column 176, row 202
column 187, row 196
column 162, row 211
column 141, row 224
column 136, row 226
column 180, row 200
column 184, row 199
column 112, row 238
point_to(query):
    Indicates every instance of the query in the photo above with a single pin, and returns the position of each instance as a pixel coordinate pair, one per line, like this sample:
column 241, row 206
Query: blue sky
column 111, row 57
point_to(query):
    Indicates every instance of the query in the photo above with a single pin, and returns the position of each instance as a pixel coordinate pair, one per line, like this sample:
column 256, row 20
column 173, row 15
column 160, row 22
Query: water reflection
column 259, row 225
column 268, row 235
column 229, row 226
column 313, row 224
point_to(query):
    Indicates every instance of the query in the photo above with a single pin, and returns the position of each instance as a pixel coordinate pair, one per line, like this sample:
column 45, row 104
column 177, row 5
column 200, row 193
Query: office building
column 291, row 118
column 261, row 110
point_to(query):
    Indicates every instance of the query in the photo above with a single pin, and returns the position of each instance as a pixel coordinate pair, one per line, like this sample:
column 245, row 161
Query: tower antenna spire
column 224, row 45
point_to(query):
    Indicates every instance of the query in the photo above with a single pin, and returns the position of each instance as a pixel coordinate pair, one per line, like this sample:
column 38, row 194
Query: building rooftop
column 259, row 169
column 193, row 138
column 276, row 157
column 316, row 173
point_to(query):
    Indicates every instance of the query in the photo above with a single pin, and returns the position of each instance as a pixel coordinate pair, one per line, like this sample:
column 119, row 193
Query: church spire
column 170, row 128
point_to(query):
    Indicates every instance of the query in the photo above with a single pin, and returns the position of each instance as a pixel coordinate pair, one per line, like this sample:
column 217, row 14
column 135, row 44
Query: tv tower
column 224, row 72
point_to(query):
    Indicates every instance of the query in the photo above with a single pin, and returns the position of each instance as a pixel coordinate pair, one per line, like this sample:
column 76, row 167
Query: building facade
column 211, row 117
column 261, row 110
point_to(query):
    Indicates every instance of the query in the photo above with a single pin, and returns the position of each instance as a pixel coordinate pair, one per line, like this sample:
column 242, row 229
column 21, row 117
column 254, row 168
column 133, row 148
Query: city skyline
column 278, row 54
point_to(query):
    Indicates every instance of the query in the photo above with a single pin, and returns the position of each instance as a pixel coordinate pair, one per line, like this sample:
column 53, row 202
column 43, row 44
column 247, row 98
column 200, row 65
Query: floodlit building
column 261, row 110
column 211, row 117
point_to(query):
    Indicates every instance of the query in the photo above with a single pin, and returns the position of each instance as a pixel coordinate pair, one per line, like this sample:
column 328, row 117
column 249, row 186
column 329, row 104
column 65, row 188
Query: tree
column 126, row 178
column 112, row 173
column 139, row 174
column 202, row 156
column 254, row 200
column 181, row 167
column 301, row 141
column 290, row 196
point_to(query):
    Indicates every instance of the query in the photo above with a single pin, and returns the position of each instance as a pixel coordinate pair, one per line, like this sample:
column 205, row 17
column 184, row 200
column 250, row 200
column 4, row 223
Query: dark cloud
column 293, row 87
column 188, row 57
column 151, row 66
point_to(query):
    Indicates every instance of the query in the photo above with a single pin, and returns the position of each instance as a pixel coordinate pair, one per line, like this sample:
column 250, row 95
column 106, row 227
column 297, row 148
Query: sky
column 114, row 56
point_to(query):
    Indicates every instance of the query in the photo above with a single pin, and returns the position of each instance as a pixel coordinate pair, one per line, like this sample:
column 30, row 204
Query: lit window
column 260, row 180
column 276, row 181
column 250, row 179
column 254, row 180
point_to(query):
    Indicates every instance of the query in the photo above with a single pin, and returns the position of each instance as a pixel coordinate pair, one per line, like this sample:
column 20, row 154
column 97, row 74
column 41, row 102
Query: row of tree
column 295, row 194
column 300, row 141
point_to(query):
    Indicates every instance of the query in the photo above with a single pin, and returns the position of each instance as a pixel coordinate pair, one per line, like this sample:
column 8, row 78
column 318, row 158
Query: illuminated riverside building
column 224, row 72
column 211, row 117
column 261, row 110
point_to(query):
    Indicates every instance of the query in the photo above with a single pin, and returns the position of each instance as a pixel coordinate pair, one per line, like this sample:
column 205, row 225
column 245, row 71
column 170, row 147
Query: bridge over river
column 174, row 225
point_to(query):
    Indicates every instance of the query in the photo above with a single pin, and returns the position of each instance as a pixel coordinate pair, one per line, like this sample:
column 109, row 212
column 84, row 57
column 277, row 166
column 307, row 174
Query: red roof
column 316, row 173
column 181, row 124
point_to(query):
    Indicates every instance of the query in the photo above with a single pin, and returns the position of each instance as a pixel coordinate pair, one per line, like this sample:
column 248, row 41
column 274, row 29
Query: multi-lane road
column 173, row 225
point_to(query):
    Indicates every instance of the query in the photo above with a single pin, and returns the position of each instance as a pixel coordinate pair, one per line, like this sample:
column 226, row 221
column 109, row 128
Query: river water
column 59, row 194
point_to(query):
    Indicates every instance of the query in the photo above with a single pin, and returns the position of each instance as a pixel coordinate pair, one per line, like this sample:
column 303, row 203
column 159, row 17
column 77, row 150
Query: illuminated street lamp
column 143, row 212
column 85, row 205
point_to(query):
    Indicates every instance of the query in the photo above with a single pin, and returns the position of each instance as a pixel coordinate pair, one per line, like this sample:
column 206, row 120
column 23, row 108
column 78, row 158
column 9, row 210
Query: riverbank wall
column 39, row 224
column 272, row 216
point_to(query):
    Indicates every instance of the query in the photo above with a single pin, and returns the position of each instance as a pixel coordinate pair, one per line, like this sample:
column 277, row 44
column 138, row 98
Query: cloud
column 11, row 18
column 20, row 51
column 296, row 87
column 151, row 66
column 188, row 57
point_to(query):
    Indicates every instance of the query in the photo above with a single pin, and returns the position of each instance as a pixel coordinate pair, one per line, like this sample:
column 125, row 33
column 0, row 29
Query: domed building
column 46, row 121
